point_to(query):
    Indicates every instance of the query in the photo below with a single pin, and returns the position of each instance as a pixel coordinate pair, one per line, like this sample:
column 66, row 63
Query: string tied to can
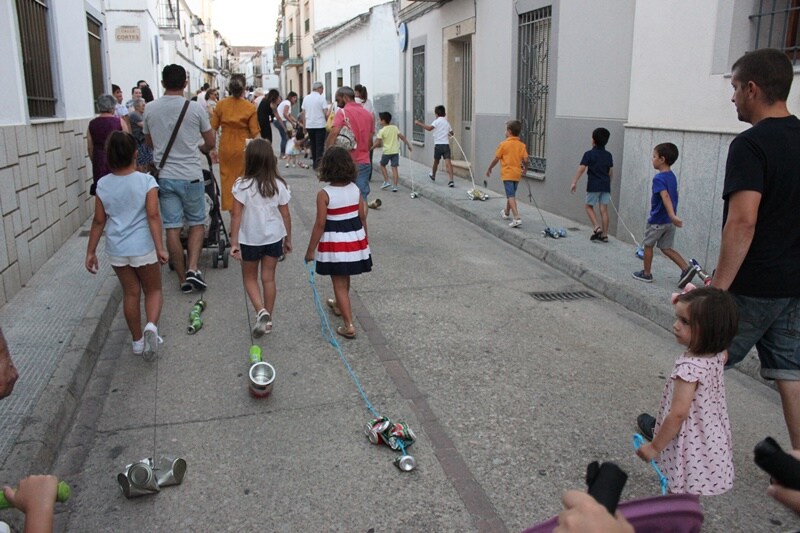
column 380, row 430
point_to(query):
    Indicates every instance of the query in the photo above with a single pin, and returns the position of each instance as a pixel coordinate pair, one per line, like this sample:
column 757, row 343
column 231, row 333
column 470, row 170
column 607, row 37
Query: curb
column 50, row 421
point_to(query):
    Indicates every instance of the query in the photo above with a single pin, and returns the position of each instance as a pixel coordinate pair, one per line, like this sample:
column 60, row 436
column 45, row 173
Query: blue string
column 327, row 332
column 638, row 442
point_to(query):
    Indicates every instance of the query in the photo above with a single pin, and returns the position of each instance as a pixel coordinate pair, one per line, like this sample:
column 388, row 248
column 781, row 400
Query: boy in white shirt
column 441, row 142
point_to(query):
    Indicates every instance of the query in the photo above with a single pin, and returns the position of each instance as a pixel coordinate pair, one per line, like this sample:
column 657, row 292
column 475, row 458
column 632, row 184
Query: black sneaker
column 686, row 276
column 186, row 287
column 451, row 184
column 641, row 276
column 431, row 176
column 196, row 279
column 647, row 425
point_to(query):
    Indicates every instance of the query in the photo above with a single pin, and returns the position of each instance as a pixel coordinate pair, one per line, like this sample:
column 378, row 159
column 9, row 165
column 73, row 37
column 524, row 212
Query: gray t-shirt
column 160, row 117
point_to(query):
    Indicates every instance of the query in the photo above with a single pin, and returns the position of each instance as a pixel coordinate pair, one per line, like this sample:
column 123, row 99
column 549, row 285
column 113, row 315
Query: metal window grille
column 418, row 95
column 169, row 14
column 466, row 82
column 776, row 26
column 355, row 75
column 533, row 80
column 32, row 18
column 328, row 93
column 339, row 78
column 96, row 56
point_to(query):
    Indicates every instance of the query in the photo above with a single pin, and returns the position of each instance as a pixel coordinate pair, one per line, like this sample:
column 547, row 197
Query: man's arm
column 737, row 236
column 210, row 140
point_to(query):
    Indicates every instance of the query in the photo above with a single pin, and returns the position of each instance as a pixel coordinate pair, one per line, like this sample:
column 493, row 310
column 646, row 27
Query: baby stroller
column 216, row 235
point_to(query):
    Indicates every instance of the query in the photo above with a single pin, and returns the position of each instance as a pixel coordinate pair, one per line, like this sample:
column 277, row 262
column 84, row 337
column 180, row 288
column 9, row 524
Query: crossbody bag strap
column 174, row 134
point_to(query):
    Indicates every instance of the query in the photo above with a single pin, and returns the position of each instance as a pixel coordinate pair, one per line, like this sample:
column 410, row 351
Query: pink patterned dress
column 700, row 459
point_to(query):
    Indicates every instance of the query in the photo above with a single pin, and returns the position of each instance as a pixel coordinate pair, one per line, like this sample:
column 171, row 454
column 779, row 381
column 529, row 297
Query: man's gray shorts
column 773, row 326
column 661, row 235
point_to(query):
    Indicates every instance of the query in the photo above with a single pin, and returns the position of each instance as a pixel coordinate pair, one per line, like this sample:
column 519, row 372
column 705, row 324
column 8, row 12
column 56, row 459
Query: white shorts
column 134, row 261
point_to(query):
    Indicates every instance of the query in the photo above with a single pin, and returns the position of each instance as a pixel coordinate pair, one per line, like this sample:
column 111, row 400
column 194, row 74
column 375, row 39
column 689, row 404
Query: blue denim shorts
column 181, row 199
column 511, row 188
column 773, row 326
column 594, row 198
column 362, row 178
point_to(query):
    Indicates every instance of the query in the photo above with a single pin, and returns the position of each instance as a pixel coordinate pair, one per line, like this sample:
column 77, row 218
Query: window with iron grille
column 533, row 82
column 339, row 78
column 32, row 17
column 775, row 25
column 418, row 92
column 355, row 75
column 328, row 92
column 96, row 56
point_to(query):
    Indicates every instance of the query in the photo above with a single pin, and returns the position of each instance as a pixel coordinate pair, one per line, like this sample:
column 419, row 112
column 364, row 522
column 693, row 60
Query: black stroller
column 216, row 236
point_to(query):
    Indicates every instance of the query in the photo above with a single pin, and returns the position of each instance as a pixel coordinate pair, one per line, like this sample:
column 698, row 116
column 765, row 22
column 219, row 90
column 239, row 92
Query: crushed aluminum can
column 405, row 463
column 376, row 428
column 138, row 479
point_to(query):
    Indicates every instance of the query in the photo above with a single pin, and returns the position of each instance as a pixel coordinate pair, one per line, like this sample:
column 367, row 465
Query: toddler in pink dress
column 692, row 438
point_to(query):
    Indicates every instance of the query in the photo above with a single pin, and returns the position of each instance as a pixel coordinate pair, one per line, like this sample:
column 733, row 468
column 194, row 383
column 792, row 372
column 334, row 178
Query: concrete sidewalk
column 57, row 324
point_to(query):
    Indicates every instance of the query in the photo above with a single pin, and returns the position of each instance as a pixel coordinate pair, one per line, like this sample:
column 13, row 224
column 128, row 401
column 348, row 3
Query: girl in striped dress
column 338, row 240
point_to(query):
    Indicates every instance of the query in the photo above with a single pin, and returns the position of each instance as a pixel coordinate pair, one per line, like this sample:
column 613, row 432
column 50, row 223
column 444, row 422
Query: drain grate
column 561, row 296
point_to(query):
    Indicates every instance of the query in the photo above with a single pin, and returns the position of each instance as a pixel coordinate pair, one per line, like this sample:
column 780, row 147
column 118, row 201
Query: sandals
column 597, row 234
column 331, row 303
column 346, row 333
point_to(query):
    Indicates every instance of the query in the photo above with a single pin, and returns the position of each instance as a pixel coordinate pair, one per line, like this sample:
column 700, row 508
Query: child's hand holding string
column 647, row 452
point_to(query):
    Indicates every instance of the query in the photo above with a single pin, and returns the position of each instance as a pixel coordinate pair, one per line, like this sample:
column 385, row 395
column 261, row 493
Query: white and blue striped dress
column 343, row 249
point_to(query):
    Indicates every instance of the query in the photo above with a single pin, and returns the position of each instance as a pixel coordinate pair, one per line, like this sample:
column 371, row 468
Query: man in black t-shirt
column 759, row 258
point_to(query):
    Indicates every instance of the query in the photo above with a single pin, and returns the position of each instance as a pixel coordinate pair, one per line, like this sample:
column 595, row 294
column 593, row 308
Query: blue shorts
column 255, row 253
column 594, row 198
column 181, row 199
column 394, row 159
column 440, row 151
column 773, row 326
column 511, row 188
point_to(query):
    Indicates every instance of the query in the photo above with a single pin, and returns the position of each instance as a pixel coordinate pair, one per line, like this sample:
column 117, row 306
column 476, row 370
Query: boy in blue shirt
column 598, row 164
column 663, row 219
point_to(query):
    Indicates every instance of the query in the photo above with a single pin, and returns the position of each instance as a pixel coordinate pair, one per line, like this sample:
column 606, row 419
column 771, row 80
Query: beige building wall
column 44, row 184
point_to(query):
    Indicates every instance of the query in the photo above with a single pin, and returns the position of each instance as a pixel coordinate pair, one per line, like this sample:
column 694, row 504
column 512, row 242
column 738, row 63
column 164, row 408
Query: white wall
column 673, row 79
column 492, row 88
column 130, row 62
column 329, row 13
column 379, row 68
column 14, row 109
column 588, row 87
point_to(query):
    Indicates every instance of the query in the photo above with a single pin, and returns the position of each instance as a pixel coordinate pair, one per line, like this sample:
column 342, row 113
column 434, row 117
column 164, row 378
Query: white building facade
column 561, row 67
column 341, row 57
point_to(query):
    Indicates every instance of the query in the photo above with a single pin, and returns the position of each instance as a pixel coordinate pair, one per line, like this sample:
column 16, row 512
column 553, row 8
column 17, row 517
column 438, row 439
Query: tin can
column 376, row 429
column 405, row 463
column 262, row 377
column 194, row 325
column 255, row 354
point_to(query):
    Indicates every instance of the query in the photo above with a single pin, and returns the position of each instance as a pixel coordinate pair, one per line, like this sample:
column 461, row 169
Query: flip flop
column 331, row 303
column 341, row 330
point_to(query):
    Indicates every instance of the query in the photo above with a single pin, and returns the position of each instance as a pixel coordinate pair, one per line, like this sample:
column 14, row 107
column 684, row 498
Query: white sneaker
column 515, row 223
column 262, row 319
column 386, row 185
column 138, row 346
column 503, row 214
column 287, row 165
column 151, row 341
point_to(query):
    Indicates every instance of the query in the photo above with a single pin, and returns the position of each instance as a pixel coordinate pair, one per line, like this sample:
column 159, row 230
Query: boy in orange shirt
column 513, row 158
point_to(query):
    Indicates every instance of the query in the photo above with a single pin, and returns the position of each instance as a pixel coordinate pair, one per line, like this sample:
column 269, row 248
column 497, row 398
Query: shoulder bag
column 346, row 139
